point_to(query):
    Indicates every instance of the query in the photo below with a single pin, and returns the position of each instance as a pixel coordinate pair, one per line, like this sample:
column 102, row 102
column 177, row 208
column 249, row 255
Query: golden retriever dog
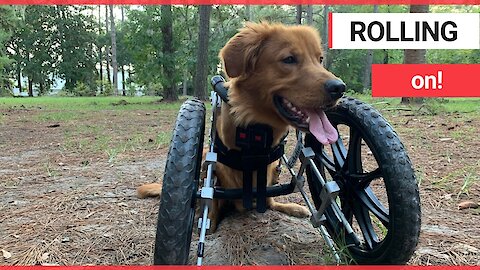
column 276, row 77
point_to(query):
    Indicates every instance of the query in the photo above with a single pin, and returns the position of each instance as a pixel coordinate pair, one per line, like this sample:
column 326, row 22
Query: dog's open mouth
column 307, row 119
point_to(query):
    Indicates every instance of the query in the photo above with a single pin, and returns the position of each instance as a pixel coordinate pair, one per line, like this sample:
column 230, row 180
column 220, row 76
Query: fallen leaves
column 44, row 256
column 467, row 204
column 6, row 254
column 466, row 249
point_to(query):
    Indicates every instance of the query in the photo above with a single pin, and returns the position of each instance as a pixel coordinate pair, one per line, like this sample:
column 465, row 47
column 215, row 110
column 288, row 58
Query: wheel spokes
column 339, row 152
column 358, row 201
column 371, row 202
column 365, row 222
column 354, row 155
column 327, row 161
column 364, row 179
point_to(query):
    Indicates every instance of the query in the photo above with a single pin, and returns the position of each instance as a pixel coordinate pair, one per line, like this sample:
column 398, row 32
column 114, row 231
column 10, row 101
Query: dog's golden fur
column 254, row 62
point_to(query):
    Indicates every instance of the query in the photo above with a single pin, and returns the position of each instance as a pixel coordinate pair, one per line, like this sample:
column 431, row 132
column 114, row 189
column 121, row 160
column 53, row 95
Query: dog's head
column 277, row 77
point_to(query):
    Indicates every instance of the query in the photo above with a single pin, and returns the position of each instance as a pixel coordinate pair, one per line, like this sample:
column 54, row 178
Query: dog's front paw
column 298, row 211
column 291, row 209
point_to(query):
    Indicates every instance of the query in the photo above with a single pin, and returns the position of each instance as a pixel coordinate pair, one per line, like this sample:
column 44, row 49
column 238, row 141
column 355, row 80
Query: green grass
column 463, row 133
column 463, row 105
column 92, row 137
column 49, row 169
column 469, row 179
column 112, row 154
column 87, row 103
column 467, row 175
column 163, row 138
column 432, row 106
column 58, row 116
column 448, row 105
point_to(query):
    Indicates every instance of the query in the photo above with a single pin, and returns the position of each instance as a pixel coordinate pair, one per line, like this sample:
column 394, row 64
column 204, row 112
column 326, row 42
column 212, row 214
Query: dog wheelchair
column 363, row 196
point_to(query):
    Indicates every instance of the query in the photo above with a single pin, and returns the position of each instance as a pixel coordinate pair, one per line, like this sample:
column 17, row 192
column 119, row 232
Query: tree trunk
column 299, row 14
column 415, row 56
column 200, row 82
column 30, row 87
column 367, row 71
column 100, row 56
column 169, row 89
column 309, row 18
column 122, row 70
column 327, row 59
column 122, row 67
column 107, row 50
column 100, row 48
column 19, row 77
column 42, row 89
column 185, row 82
column 113, row 34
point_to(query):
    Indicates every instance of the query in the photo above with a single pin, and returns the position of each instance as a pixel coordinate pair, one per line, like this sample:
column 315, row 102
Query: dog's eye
column 290, row 60
column 321, row 59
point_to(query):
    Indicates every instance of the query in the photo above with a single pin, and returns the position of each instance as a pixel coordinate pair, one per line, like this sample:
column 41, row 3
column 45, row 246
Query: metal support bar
column 335, row 207
column 200, row 222
column 204, row 221
column 310, row 206
column 328, row 193
column 290, row 170
column 207, row 192
column 236, row 194
column 317, row 218
column 330, row 244
column 210, row 157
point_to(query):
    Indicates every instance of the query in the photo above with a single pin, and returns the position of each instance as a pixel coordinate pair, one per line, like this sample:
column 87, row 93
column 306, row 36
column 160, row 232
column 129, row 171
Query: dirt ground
column 67, row 193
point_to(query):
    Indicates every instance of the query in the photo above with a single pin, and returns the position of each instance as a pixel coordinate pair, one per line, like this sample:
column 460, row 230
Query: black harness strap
column 262, row 190
column 235, row 159
column 247, row 195
column 255, row 155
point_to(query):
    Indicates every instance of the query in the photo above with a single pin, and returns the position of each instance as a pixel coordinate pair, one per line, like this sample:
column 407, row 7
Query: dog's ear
column 242, row 51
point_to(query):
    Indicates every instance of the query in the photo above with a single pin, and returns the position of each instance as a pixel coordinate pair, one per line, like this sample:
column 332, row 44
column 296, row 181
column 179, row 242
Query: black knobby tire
column 180, row 183
column 400, row 220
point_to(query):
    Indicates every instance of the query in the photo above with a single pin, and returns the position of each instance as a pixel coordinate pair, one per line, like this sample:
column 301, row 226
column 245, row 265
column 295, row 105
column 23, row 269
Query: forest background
column 167, row 51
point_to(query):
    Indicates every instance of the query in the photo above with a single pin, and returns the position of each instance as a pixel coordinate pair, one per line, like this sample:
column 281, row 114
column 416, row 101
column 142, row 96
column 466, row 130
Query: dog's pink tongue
column 321, row 127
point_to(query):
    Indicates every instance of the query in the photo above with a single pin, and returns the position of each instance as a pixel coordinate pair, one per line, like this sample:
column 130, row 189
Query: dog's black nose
column 335, row 88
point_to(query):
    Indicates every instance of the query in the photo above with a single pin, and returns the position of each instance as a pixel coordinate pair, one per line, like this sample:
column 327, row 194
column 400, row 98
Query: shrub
column 84, row 90
column 105, row 88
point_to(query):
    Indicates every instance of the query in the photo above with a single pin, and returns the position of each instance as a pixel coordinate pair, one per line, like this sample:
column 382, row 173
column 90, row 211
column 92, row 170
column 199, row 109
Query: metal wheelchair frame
column 328, row 195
